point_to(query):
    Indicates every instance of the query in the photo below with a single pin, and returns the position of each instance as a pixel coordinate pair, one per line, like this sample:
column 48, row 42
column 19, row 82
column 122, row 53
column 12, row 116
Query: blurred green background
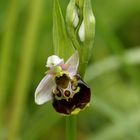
column 113, row 72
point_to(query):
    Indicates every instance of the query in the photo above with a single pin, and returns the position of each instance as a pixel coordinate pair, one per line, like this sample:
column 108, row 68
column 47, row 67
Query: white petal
column 54, row 60
column 43, row 92
column 73, row 63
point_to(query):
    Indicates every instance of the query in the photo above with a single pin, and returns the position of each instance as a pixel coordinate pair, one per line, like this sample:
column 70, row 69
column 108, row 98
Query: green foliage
column 113, row 72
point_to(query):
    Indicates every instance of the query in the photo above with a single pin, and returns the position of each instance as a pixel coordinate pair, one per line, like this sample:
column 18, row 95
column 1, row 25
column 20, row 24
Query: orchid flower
column 63, row 85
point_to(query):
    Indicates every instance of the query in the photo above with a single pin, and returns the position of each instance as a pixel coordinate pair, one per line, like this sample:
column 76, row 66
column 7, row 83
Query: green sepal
column 89, row 23
column 63, row 46
column 79, row 3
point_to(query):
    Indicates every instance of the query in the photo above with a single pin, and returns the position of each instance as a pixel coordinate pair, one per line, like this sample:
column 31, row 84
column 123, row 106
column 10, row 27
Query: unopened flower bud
column 80, row 3
column 89, row 21
column 72, row 14
column 81, row 32
column 76, row 18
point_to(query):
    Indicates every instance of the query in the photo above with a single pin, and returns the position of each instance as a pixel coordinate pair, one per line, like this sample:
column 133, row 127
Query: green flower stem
column 24, row 74
column 71, row 127
column 63, row 48
column 64, row 43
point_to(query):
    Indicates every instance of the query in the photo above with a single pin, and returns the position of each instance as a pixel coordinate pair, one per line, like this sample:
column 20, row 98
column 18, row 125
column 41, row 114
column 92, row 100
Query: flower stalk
column 72, row 42
column 71, row 127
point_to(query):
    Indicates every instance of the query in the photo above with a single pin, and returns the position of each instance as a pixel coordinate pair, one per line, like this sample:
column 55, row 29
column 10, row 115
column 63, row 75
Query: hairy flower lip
column 79, row 101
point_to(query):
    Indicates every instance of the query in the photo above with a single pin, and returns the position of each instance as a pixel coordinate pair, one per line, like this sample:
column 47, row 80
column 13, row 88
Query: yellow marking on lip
column 76, row 111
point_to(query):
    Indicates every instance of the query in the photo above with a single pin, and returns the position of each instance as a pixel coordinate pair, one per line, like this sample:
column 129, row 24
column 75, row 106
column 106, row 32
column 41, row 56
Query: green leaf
column 62, row 45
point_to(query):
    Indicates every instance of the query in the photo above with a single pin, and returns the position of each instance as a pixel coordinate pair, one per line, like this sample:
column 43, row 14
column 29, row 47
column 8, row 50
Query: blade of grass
column 106, row 109
column 25, row 67
column 116, row 46
column 131, row 57
column 6, row 51
column 39, row 126
column 121, row 127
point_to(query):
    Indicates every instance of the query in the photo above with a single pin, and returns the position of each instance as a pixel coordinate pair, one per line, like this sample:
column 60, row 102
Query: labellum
column 75, row 96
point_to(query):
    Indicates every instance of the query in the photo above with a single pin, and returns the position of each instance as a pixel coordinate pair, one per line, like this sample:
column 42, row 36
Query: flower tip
column 38, row 101
column 81, row 32
column 76, row 19
column 53, row 60
column 41, row 99
column 92, row 19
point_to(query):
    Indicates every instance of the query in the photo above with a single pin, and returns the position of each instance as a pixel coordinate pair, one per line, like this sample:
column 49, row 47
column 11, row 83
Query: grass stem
column 25, row 69
column 5, row 55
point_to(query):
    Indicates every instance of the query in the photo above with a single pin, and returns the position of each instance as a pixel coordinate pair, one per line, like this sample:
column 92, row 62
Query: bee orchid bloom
column 62, row 85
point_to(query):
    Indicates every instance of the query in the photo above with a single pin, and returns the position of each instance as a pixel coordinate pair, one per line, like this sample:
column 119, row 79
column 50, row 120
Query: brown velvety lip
column 79, row 100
